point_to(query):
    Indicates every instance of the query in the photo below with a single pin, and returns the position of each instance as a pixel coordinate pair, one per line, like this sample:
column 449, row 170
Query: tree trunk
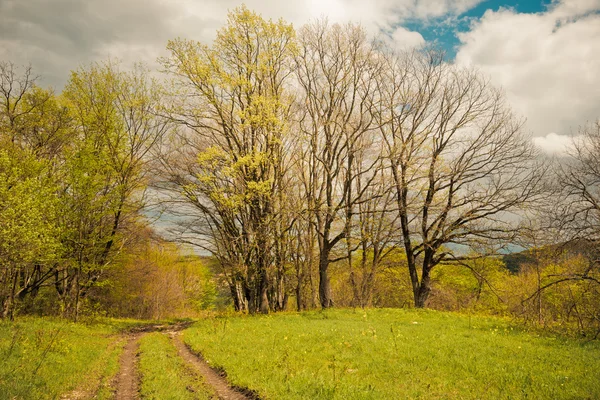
column 299, row 281
column 299, row 297
column 423, row 291
column 9, row 301
column 240, row 301
column 7, row 309
column 324, row 283
column 356, row 298
column 263, row 300
column 77, row 296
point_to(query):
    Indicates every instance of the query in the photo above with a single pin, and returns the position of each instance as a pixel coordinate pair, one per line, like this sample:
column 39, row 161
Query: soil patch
column 128, row 380
column 218, row 382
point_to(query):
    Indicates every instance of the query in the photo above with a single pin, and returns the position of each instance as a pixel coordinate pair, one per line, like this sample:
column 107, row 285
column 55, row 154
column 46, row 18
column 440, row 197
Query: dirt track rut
column 128, row 379
column 216, row 381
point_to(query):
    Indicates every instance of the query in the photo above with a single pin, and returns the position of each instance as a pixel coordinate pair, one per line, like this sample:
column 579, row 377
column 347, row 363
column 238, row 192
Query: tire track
column 216, row 381
column 127, row 387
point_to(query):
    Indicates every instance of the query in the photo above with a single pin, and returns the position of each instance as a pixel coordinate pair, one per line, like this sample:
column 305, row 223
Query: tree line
column 322, row 145
column 281, row 153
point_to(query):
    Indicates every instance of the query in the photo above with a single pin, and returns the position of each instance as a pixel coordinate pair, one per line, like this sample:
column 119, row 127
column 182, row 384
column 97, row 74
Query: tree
column 336, row 71
column 375, row 236
column 106, row 170
column 578, row 216
column 13, row 90
column 574, row 216
column 460, row 162
column 156, row 279
column 231, row 102
column 34, row 127
column 28, row 233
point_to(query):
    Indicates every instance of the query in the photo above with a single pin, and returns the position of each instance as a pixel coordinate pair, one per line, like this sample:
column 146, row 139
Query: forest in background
column 316, row 166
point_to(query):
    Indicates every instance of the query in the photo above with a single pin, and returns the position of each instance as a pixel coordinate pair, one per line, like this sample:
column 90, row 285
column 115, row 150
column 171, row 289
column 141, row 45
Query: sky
column 545, row 54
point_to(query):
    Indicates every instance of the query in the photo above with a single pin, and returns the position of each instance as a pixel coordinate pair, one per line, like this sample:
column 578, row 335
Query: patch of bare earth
column 212, row 378
column 77, row 394
column 127, row 387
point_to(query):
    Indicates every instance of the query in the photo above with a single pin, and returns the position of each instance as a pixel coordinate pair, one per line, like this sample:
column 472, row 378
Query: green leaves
column 27, row 209
column 72, row 172
column 232, row 104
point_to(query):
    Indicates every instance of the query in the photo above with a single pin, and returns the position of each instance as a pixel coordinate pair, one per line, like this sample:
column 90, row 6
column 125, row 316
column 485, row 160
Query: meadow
column 164, row 375
column 44, row 358
column 333, row 354
column 395, row 353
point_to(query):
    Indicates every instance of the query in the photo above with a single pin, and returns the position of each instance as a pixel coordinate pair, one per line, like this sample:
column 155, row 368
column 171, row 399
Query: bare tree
column 374, row 235
column 460, row 162
column 14, row 88
column 336, row 69
column 579, row 176
column 574, row 218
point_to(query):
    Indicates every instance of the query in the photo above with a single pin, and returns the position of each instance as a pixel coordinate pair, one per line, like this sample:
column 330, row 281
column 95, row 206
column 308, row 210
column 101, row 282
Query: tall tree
column 232, row 102
column 460, row 161
column 575, row 217
column 579, row 177
column 34, row 128
column 28, row 231
column 14, row 88
column 336, row 70
column 105, row 177
column 373, row 234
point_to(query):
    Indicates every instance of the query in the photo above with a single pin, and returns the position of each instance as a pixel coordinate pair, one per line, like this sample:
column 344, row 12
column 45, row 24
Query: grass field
column 395, row 354
column 164, row 374
column 44, row 358
column 337, row 354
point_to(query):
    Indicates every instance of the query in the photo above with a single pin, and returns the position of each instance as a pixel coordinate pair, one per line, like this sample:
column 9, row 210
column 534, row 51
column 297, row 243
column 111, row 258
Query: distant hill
column 580, row 247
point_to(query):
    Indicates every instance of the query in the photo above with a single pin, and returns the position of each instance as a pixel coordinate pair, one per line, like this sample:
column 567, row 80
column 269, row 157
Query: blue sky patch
column 442, row 32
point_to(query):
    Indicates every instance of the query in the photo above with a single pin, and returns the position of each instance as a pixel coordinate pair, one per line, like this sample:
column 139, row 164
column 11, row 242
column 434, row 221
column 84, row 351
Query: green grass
column 165, row 375
column 44, row 358
column 395, row 354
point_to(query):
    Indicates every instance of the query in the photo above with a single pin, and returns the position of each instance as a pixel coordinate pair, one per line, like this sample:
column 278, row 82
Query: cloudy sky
column 545, row 54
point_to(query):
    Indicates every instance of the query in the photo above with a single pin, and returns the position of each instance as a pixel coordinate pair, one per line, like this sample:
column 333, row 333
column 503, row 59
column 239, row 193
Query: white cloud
column 547, row 63
column 573, row 8
column 59, row 35
column 436, row 8
column 334, row 9
column 553, row 143
column 404, row 39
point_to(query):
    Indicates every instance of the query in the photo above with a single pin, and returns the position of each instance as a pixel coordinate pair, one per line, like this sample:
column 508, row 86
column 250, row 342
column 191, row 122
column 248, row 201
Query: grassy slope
column 164, row 374
column 384, row 354
column 44, row 358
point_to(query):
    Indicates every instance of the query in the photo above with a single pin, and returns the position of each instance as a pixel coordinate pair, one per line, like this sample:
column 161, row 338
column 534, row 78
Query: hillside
column 390, row 353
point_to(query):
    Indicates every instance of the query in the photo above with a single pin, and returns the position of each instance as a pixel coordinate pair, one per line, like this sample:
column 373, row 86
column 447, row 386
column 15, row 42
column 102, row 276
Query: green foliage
column 165, row 375
column 391, row 286
column 479, row 285
column 234, row 106
column 72, row 174
column 157, row 280
column 28, row 229
column 94, row 191
column 103, row 175
column 27, row 208
column 42, row 123
column 559, row 293
column 385, row 353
